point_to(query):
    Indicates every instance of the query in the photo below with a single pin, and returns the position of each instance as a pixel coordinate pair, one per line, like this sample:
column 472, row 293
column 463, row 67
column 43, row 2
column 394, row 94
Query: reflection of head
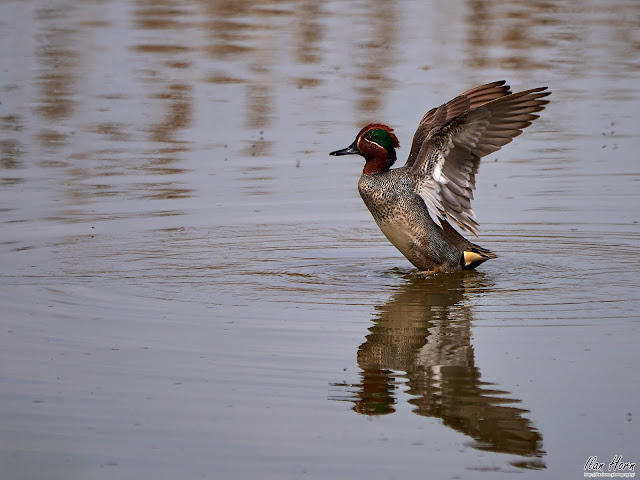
column 376, row 393
column 425, row 331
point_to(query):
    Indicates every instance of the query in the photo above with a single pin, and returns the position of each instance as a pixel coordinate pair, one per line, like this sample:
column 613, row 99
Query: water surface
column 192, row 288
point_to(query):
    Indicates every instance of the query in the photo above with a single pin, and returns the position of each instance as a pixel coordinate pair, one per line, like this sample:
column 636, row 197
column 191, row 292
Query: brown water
column 192, row 288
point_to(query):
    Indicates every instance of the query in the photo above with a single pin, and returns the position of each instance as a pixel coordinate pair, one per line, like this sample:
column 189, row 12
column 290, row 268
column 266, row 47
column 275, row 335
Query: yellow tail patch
column 470, row 257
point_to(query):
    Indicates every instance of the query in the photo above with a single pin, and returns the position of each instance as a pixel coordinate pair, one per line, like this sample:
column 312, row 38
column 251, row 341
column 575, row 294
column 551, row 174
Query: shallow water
column 192, row 288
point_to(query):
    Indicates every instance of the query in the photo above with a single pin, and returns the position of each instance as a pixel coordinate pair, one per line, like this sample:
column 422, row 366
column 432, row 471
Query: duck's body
column 413, row 204
column 404, row 219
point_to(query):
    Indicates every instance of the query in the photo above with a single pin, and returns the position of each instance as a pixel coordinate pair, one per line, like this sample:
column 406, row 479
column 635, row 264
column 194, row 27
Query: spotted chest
column 387, row 195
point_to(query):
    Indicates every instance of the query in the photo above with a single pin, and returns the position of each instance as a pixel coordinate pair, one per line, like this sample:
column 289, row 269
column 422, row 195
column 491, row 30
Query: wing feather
column 436, row 117
column 446, row 162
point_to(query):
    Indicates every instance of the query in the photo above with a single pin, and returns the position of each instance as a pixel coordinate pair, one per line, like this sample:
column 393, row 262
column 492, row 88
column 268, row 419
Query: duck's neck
column 377, row 164
column 376, row 156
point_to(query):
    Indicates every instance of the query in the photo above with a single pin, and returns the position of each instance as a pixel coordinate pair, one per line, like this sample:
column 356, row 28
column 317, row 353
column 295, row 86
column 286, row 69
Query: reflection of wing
column 446, row 165
column 436, row 117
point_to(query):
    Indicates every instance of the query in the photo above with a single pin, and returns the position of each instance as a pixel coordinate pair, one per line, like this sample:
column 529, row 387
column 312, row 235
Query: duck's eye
column 377, row 136
column 372, row 135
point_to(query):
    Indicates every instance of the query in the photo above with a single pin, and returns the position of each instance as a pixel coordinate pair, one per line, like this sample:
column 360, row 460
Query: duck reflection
column 425, row 332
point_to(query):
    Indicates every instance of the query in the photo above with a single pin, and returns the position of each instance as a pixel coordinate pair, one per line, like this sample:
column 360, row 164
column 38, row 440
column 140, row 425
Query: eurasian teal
column 416, row 204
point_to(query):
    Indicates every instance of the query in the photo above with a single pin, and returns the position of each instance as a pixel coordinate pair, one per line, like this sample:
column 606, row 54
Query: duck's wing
column 445, row 167
column 436, row 117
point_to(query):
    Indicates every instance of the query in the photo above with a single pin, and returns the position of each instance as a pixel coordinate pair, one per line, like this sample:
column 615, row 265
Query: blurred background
column 192, row 288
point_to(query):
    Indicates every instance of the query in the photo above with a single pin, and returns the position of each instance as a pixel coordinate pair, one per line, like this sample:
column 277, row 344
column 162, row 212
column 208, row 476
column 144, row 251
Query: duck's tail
column 474, row 255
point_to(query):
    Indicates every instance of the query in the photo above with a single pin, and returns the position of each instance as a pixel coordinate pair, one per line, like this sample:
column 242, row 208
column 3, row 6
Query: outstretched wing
column 446, row 164
column 436, row 117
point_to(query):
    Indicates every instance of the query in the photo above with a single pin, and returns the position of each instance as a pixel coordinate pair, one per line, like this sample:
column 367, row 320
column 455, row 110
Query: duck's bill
column 350, row 150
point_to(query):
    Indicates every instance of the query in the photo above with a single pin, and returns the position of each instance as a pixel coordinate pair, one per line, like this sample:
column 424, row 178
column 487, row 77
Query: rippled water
column 192, row 288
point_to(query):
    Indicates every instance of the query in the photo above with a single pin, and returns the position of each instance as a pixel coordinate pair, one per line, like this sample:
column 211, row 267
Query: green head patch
column 383, row 136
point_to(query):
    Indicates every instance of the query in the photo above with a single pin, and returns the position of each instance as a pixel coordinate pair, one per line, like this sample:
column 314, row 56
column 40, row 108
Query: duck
column 418, row 205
